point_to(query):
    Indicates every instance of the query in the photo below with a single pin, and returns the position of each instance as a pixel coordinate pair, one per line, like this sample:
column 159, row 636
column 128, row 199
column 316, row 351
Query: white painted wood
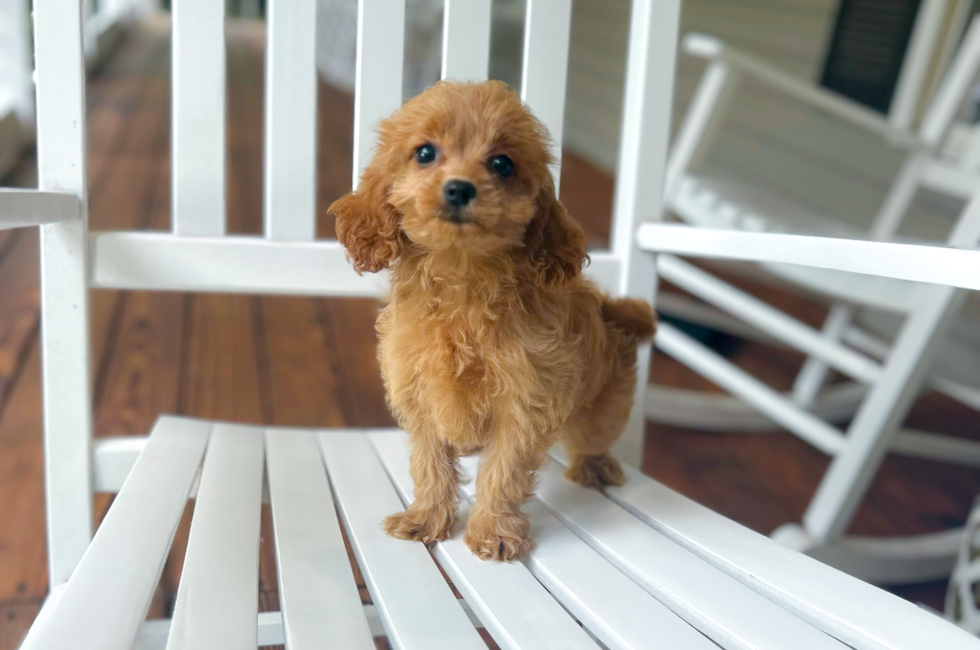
column 872, row 431
column 153, row 634
column 873, row 428
column 416, row 605
column 290, row 121
column 815, row 371
column 741, row 384
column 605, row 269
column 853, row 611
column 515, row 609
column 113, row 460
column 703, row 46
column 64, row 293
column 933, row 264
column 697, row 409
column 919, row 57
column 954, row 88
column 317, row 592
column 160, row 261
column 701, row 121
column 105, row 602
column 466, row 40
column 378, row 85
column 727, row 611
column 774, row 322
column 545, row 72
column 644, row 141
column 938, row 447
column 217, row 600
column 198, row 123
column 20, row 208
column 610, row 605
column 17, row 68
column 880, row 560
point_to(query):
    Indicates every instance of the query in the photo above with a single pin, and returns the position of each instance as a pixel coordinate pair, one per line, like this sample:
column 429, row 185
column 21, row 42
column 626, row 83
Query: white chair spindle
column 546, row 36
column 378, row 84
column 198, row 204
column 644, row 140
column 290, row 121
column 64, row 295
column 466, row 40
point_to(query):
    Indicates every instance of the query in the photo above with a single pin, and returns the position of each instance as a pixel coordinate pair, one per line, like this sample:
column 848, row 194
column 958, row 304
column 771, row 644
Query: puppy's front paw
column 502, row 539
column 426, row 526
column 595, row 471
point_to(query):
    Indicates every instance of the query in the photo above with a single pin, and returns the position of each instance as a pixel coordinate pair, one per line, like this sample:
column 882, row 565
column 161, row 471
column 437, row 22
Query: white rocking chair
column 638, row 567
column 878, row 395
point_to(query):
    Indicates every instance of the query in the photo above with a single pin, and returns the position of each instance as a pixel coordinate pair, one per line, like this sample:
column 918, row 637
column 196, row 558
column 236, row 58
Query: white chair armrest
column 711, row 48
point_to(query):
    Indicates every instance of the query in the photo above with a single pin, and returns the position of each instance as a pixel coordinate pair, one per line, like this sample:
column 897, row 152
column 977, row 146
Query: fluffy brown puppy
column 492, row 338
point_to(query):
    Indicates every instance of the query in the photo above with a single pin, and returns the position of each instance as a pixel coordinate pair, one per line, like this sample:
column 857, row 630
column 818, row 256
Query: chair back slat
column 198, row 136
column 64, row 294
column 466, row 40
column 546, row 36
column 290, row 121
column 378, row 83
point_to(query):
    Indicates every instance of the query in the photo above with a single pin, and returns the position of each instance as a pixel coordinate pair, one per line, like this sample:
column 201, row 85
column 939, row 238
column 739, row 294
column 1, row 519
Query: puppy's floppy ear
column 368, row 226
column 554, row 242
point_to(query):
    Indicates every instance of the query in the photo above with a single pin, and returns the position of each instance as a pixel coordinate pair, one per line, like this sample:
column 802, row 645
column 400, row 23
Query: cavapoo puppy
column 492, row 338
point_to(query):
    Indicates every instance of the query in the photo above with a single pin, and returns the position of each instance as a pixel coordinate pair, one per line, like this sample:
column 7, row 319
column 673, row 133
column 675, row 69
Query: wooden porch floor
column 311, row 362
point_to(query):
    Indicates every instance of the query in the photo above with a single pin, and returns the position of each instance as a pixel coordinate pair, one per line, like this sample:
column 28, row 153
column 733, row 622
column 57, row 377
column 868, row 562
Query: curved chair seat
column 636, row 568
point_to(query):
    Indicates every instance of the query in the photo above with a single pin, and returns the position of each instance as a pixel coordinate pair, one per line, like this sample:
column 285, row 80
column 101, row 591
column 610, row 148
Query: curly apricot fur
column 492, row 339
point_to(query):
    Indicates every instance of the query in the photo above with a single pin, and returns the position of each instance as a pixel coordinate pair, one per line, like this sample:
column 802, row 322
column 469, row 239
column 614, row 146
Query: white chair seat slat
column 849, row 609
column 512, row 605
column 198, row 117
column 217, row 600
column 610, row 605
column 416, row 605
column 722, row 608
column 20, row 208
column 317, row 592
column 290, row 121
column 466, row 40
column 105, row 601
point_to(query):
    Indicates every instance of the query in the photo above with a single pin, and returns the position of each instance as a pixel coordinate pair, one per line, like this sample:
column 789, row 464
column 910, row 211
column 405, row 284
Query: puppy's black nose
column 458, row 192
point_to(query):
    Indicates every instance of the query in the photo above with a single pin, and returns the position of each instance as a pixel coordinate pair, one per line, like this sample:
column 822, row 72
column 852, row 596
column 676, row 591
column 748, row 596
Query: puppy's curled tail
column 633, row 317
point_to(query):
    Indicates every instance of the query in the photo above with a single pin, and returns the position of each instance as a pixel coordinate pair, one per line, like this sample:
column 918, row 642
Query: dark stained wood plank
column 15, row 618
column 23, row 547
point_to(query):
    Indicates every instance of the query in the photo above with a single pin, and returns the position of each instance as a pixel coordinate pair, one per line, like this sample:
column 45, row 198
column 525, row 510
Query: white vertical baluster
column 642, row 166
column 16, row 64
column 64, row 291
column 290, row 121
column 378, row 86
column 466, row 40
column 546, row 34
column 198, row 117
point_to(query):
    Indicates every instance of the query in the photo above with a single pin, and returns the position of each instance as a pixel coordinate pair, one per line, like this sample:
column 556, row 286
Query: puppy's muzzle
column 458, row 194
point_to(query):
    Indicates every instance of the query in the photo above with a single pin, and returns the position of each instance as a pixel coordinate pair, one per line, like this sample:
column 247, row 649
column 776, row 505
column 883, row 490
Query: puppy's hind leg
column 435, row 471
column 589, row 434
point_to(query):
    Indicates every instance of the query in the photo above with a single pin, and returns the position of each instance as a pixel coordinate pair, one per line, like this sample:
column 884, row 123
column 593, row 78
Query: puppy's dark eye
column 502, row 165
column 425, row 154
